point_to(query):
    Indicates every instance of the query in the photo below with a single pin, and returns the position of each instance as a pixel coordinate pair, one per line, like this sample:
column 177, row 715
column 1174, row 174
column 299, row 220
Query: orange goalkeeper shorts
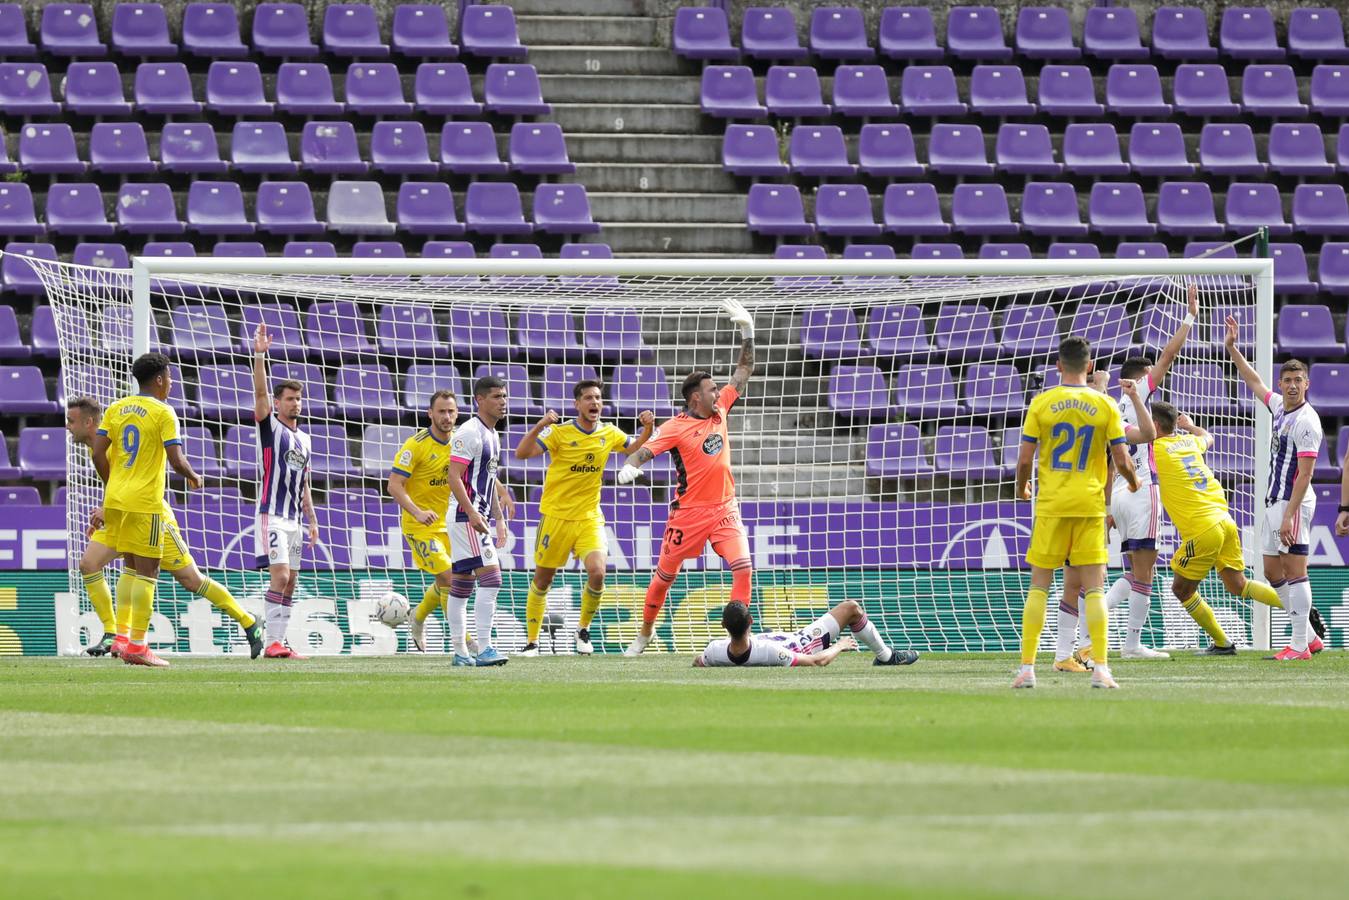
column 689, row 530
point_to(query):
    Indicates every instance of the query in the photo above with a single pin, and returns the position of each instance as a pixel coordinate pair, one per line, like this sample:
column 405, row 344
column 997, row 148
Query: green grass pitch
column 600, row 778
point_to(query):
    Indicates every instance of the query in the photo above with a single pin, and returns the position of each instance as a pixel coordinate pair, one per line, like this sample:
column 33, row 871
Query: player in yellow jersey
column 137, row 434
column 82, row 418
column 571, row 522
column 1074, row 429
column 1209, row 538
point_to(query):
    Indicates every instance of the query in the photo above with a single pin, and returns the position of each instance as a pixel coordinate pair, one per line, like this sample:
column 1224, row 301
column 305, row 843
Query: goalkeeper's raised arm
column 744, row 367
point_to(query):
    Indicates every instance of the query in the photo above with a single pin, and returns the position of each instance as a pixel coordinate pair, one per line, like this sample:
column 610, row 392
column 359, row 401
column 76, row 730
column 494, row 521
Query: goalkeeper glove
column 740, row 316
column 628, row 474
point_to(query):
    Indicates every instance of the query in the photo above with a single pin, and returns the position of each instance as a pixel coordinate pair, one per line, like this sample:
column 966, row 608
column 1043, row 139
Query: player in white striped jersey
column 1285, row 527
column 815, row 645
column 283, row 494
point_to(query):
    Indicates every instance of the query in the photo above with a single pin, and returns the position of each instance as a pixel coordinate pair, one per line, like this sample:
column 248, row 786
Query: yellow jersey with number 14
column 140, row 428
column 1073, row 428
column 1191, row 496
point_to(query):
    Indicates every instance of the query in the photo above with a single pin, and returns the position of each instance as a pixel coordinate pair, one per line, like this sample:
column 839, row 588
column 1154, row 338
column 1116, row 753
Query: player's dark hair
column 586, row 384
column 692, row 383
column 288, row 384
column 442, row 395
column 735, row 618
column 1164, row 416
column 148, row 367
column 486, row 384
column 87, row 405
column 1075, row 353
column 1134, row 367
column 1293, row 365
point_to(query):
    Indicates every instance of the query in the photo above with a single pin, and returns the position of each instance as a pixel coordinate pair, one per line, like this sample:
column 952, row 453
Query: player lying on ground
column 82, row 415
column 704, row 509
column 815, row 645
column 1209, row 538
column 137, row 434
column 1071, row 427
column 571, row 522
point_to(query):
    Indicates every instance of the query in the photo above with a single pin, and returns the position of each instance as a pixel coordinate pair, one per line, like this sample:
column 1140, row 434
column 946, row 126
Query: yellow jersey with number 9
column 1073, row 428
column 1192, row 497
column 140, row 428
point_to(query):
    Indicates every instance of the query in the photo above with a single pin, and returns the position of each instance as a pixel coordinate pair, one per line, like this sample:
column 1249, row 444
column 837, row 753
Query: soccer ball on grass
column 392, row 609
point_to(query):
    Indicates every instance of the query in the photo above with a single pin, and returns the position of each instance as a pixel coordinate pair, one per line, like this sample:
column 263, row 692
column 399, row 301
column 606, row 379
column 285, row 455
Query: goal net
column 873, row 452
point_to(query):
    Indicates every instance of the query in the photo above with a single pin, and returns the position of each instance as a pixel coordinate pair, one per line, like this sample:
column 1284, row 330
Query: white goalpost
column 873, row 452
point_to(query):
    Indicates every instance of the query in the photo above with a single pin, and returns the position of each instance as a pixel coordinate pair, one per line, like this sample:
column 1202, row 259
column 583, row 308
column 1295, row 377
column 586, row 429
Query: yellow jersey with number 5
column 1191, row 496
column 140, row 428
column 1073, row 428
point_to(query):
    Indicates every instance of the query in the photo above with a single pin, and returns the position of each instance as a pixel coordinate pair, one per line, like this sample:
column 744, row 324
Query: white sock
column 484, row 607
column 1299, row 607
column 1066, row 617
column 1118, row 591
column 1140, row 604
column 870, row 638
column 456, row 614
column 277, row 615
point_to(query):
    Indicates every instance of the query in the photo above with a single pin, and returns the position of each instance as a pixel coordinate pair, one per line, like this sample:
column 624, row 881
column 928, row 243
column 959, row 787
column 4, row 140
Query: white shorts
column 1271, row 544
column 1137, row 515
column 470, row 550
column 278, row 542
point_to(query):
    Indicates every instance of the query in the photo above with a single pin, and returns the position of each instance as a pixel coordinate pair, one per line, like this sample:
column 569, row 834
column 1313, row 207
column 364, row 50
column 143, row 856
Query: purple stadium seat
column 887, row 151
column 203, row 451
column 981, row 209
column 1290, row 270
column 770, row 33
column 1045, row 33
column 147, row 209
column 357, row 207
column 562, row 209
column 282, row 29
column 1326, row 469
column 216, row 207
column 522, row 399
column 286, row 207
column 43, row 331
column 800, row 251
column 896, row 451
column 1068, row 91
column 926, row 391
column 729, row 92
column 752, row 150
column 141, row 29
column 336, row 329
column 282, row 320
column 819, row 151
column 1025, row 150
column 309, row 250
column 1233, row 451
column 999, row 91
column 240, row 451
column 1248, row 33
column 351, row 29
column 829, row 333
column 212, row 30
column 427, row 208
column 512, row 89
column 95, row 89
column 777, row 209
column 1330, row 380
column 845, row 210
column 449, row 250
column 1252, row 206
column 480, row 333
column 930, row 91
column 539, row 148
column 375, row 89
column 49, row 149
column 1316, row 33
column 523, row 252
column 1201, row 388
column 22, row 392
column 1093, row 149
column 201, row 330
column 702, row 32
column 411, row 332
column 1050, row 209
column 1317, row 209
column 897, row 332
column 235, row 89
column 1135, row 89
column 913, row 209
column 400, row 148
column 794, row 91
column 964, row 332
column 1111, row 32
column 70, row 29
column 443, row 89
column 330, row 148
column 261, row 148
column 1330, row 90
column 1158, row 148
column 548, row 334
column 862, row 91
column 22, row 495
column 306, row 89
column 1342, row 148
column 12, row 345
column 421, row 380
column 838, row 32
column 490, row 31
column 1298, row 149
column 1029, row 328
column 633, row 388
column 908, row 33
column 1105, row 325
column 329, row 449
column 495, row 208
column 470, row 148
column 1181, row 32
column 1272, row 91
column 76, row 209
column 1202, row 90
column 1185, row 209
column 858, row 393
column 975, row 32
column 1118, row 208
column 25, row 90
column 14, row 42
column 1229, row 150
column 936, row 251
column 421, row 30
column 42, row 453
column 17, row 276
column 165, row 88
column 119, row 148
column 957, row 150
column 964, row 452
column 17, row 217
column 1333, row 272
column 1307, row 330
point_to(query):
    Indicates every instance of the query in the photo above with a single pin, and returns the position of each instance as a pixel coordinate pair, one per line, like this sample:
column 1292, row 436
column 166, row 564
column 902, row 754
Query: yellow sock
column 224, row 601
column 1098, row 623
column 1261, row 593
column 142, row 606
column 1203, row 616
column 124, row 583
column 590, row 604
column 431, row 600
column 99, row 595
column 1032, row 623
column 536, row 604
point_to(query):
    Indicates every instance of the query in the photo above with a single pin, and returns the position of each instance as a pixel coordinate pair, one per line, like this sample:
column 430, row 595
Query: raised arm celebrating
column 744, row 367
column 1172, row 348
column 1247, row 371
column 262, row 401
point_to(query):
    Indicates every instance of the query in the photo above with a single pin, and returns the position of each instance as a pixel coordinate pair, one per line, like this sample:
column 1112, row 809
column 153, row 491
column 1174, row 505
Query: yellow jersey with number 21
column 1073, row 428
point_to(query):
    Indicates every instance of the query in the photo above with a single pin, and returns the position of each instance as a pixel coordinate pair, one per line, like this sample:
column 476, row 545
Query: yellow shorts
column 557, row 540
column 140, row 534
column 173, row 551
column 1219, row 547
column 1067, row 540
column 430, row 550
